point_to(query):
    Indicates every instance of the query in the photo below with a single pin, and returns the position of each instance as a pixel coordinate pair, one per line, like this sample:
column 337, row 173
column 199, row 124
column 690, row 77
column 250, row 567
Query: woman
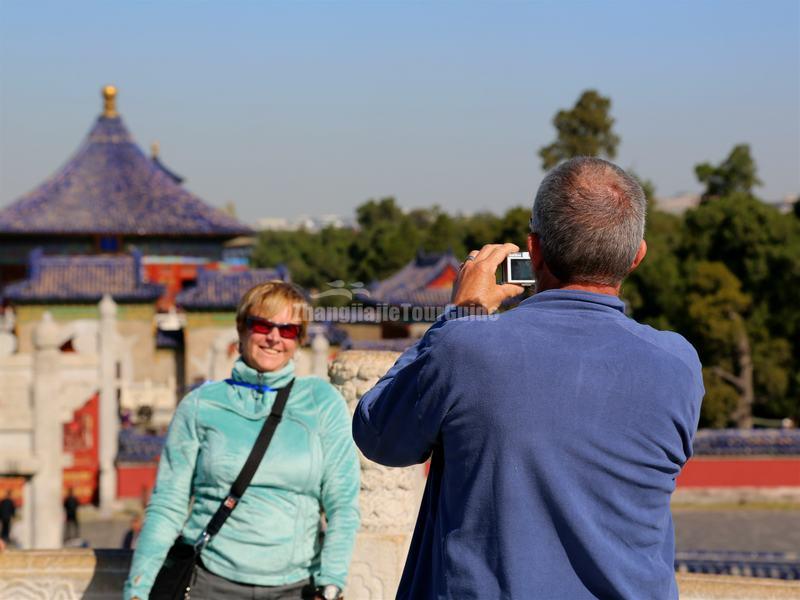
column 272, row 538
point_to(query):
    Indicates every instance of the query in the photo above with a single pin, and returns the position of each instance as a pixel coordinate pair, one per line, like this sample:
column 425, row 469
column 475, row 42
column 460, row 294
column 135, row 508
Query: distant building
column 408, row 301
column 679, row 204
column 786, row 204
column 426, row 281
column 304, row 222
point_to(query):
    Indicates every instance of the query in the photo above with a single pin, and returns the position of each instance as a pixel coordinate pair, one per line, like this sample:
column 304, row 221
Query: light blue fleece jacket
column 272, row 537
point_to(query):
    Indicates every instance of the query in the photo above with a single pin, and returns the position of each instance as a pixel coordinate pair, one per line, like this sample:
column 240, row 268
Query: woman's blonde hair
column 268, row 299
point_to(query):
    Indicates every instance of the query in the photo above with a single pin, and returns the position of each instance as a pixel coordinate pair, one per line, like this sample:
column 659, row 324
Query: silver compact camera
column 517, row 269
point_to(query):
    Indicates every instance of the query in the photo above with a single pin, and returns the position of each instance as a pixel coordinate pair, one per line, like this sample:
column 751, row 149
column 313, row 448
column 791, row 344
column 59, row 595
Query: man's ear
column 535, row 250
column 640, row 253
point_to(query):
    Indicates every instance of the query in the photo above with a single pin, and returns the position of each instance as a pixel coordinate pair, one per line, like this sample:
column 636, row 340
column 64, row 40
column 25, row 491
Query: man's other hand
column 476, row 284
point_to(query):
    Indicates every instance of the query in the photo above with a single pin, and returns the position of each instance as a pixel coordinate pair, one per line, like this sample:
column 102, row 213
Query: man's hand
column 476, row 285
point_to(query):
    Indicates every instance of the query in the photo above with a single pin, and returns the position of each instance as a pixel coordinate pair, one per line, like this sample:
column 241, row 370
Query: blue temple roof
column 110, row 187
column 412, row 284
column 170, row 173
column 222, row 290
column 83, row 279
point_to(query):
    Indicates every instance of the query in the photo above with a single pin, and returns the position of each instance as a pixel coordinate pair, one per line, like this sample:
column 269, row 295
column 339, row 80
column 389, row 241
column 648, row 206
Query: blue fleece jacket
column 556, row 432
column 272, row 537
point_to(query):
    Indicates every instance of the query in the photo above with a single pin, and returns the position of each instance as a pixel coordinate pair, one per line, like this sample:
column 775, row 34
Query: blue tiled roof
column 170, row 173
column 222, row 290
column 410, row 284
column 775, row 565
column 83, row 279
column 110, row 187
column 139, row 447
column 742, row 442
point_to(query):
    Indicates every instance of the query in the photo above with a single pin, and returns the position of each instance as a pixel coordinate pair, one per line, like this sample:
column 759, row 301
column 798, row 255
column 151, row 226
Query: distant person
column 132, row 535
column 556, row 429
column 270, row 547
column 71, row 504
column 7, row 512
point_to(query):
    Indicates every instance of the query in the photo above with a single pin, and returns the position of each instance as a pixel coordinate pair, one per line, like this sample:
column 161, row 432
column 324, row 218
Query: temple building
column 113, row 220
column 406, row 303
column 109, row 198
column 119, row 288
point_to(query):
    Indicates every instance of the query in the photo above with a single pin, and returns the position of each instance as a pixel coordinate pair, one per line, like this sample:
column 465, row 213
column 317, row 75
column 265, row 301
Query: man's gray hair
column 589, row 215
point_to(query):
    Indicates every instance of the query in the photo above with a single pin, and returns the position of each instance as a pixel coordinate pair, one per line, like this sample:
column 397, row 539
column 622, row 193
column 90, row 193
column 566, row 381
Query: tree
column 716, row 307
column 375, row 212
column 480, row 229
column 388, row 239
column 313, row 258
column 444, row 235
column 761, row 247
column 585, row 130
column 735, row 174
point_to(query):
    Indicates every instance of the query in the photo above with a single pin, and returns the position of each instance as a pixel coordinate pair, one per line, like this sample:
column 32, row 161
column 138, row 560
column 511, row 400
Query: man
column 71, row 504
column 555, row 430
column 7, row 512
column 132, row 535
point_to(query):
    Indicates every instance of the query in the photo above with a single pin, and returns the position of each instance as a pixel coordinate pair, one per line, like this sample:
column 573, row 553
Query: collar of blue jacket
column 270, row 380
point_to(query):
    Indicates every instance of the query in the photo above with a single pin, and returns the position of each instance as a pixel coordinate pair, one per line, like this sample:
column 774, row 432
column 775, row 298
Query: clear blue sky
column 313, row 107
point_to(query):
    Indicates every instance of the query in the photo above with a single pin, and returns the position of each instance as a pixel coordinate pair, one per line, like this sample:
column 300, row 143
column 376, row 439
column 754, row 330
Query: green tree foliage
column 726, row 275
column 719, row 403
column 386, row 239
column 762, row 248
column 759, row 245
column 736, row 174
column 584, row 130
column 312, row 258
column 716, row 313
column 443, row 234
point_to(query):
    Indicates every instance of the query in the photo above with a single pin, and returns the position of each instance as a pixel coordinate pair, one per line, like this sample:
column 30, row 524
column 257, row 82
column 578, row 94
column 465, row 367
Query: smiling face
column 266, row 352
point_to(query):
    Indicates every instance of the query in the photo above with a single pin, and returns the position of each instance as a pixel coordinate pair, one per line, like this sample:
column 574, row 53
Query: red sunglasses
column 288, row 331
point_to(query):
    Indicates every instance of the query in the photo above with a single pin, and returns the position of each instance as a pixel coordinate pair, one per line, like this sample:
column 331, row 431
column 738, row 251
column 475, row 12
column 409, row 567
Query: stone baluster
column 389, row 498
column 109, row 405
column 221, row 363
column 319, row 355
column 48, row 437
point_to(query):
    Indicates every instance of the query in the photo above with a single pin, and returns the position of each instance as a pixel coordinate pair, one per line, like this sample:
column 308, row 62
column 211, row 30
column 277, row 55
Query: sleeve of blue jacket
column 169, row 504
column 341, row 480
column 397, row 422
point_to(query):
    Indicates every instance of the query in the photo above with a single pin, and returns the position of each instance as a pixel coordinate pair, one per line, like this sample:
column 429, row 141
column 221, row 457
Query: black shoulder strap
column 249, row 469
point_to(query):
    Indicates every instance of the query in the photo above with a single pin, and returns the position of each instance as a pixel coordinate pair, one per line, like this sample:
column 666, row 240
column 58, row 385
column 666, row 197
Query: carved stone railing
column 723, row 587
column 389, row 497
column 63, row 574
column 99, row 575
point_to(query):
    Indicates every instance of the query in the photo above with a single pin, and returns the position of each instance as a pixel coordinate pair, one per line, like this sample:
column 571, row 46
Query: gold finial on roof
column 110, row 101
column 154, row 149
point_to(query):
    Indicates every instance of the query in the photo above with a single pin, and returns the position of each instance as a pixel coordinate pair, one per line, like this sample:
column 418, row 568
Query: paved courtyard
column 747, row 530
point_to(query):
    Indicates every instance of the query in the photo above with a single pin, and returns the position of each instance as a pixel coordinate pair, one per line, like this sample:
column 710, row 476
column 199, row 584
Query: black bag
column 176, row 576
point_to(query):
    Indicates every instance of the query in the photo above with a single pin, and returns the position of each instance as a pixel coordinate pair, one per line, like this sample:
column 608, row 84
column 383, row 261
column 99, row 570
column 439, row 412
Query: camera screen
column 521, row 269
